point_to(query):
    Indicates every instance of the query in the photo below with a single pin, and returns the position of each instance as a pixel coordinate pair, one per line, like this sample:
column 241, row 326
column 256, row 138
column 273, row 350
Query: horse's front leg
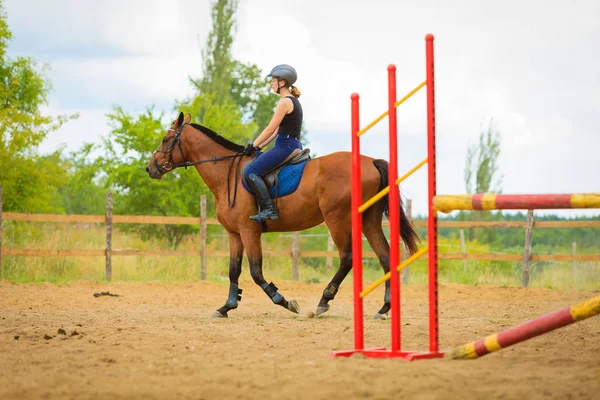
column 254, row 252
column 236, row 252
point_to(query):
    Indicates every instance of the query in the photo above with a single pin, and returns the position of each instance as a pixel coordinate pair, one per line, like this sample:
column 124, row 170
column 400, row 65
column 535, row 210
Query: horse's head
column 169, row 152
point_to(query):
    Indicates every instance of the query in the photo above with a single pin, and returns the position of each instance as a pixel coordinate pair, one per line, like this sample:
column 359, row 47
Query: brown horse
column 323, row 195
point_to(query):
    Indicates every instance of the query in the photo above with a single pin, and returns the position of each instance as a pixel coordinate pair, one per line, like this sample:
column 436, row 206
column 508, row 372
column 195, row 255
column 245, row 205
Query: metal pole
column 432, row 228
column 394, row 209
column 527, row 330
column 359, row 342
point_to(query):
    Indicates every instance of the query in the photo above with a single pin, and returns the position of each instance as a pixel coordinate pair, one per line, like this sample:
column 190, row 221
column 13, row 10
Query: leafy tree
column 225, row 119
column 228, row 82
column 30, row 181
column 252, row 94
column 127, row 150
column 232, row 99
column 85, row 191
column 481, row 166
column 217, row 59
column 482, row 175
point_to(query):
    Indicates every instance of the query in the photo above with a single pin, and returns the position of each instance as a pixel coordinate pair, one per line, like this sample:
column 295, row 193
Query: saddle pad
column 289, row 180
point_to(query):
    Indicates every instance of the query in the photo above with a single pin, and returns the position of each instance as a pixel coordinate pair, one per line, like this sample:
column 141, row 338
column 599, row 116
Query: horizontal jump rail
column 527, row 330
column 448, row 203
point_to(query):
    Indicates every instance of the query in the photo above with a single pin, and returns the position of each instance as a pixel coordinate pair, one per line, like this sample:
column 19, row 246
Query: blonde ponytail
column 295, row 91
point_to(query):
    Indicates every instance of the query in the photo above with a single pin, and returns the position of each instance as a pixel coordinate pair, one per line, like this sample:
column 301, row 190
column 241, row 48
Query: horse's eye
column 164, row 140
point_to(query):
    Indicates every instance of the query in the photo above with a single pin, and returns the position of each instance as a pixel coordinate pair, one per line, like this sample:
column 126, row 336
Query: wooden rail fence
column 295, row 252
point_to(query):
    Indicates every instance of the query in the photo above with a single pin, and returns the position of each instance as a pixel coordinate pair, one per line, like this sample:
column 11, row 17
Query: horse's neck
column 214, row 174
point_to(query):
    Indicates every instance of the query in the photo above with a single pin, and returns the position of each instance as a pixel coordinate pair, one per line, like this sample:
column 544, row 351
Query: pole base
column 381, row 352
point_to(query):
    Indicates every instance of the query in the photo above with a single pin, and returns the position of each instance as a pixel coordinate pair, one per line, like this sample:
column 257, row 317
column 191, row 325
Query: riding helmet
column 284, row 71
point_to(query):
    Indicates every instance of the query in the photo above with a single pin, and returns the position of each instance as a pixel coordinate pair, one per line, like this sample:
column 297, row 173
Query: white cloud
column 124, row 79
column 89, row 127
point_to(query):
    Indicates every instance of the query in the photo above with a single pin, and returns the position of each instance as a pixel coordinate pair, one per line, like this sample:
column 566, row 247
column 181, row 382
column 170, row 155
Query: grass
column 560, row 275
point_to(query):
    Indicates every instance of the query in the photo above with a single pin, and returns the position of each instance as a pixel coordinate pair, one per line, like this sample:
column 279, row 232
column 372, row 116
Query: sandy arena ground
column 157, row 341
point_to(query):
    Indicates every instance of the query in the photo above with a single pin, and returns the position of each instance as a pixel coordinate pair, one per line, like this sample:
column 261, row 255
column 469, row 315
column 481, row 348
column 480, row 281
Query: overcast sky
column 531, row 65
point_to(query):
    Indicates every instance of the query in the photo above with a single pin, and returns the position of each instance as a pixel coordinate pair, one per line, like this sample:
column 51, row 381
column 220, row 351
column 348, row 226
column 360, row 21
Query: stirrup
column 265, row 215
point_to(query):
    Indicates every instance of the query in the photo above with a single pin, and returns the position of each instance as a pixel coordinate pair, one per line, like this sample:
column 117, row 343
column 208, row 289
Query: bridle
column 170, row 165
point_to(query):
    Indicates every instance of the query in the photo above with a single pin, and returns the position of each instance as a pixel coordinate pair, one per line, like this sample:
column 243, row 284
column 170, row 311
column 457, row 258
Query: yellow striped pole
column 527, row 330
column 491, row 201
column 396, row 104
column 387, row 276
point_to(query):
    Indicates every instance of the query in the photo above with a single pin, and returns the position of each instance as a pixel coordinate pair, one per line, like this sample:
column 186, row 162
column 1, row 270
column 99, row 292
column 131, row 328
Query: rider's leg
column 265, row 202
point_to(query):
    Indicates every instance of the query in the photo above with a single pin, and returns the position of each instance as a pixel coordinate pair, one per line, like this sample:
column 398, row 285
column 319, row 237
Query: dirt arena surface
column 156, row 341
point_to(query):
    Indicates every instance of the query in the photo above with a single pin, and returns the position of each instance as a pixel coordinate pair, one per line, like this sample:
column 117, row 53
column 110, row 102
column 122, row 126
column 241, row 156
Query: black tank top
column 292, row 122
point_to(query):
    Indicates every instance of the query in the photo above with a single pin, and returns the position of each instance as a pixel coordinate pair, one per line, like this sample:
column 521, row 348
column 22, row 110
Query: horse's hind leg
column 374, row 234
column 342, row 237
column 254, row 252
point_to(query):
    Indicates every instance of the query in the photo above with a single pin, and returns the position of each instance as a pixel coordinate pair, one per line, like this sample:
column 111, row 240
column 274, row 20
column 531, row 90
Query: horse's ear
column 188, row 118
column 180, row 119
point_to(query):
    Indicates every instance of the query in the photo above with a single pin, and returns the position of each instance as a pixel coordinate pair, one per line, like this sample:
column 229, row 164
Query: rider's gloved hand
column 250, row 149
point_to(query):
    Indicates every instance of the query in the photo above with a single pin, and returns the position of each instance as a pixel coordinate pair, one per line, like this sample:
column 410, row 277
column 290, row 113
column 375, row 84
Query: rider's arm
column 280, row 111
column 270, row 139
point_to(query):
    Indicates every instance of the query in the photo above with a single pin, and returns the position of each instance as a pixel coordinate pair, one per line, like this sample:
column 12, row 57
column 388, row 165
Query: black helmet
column 284, row 71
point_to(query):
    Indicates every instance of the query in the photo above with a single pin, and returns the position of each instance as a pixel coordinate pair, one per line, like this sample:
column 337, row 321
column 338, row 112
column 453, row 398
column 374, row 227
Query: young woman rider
column 285, row 127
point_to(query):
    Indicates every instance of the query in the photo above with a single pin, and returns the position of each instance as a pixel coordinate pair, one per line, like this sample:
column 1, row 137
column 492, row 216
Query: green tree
column 30, row 181
column 217, row 59
column 219, row 104
column 252, row 94
column 226, row 81
column 126, row 152
column 481, row 166
column 225, row 119
column 482, row 175
column 85, row 190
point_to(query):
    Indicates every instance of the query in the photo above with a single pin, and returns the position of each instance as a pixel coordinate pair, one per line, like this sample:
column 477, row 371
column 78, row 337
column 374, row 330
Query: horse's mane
column 229, row 145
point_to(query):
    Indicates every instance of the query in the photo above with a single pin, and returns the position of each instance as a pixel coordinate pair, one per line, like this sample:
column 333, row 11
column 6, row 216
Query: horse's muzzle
column 155, row 174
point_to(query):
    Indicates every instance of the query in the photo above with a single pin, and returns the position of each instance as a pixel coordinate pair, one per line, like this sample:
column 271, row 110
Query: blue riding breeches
column 284, row 146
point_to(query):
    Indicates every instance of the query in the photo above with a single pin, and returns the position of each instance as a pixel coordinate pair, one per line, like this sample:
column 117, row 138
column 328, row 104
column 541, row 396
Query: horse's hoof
column 293, row 306
column 380, row 316
column 217, row 314
column 322, row 310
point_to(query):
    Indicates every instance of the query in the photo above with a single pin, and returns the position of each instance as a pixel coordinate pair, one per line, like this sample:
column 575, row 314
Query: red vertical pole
column 432, row 228
column 359, row 342
column 394, row 209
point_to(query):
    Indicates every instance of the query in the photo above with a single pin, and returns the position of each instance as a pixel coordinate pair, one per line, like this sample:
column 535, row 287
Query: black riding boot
column 265, row 203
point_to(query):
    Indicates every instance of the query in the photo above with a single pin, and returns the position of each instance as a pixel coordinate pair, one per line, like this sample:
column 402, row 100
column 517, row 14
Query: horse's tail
column 409, row 234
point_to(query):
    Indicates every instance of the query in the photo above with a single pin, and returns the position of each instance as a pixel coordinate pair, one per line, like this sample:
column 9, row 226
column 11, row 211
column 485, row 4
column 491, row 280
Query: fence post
column 203, row 237
column 1, row 275
column 329, row 249
column 109, row 206
column 463, row 248
column 527, row 255
column 295, row 255
column 404, row 275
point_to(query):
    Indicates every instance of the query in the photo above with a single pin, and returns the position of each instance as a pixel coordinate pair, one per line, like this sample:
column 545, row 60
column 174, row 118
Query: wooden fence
column 295, row 252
